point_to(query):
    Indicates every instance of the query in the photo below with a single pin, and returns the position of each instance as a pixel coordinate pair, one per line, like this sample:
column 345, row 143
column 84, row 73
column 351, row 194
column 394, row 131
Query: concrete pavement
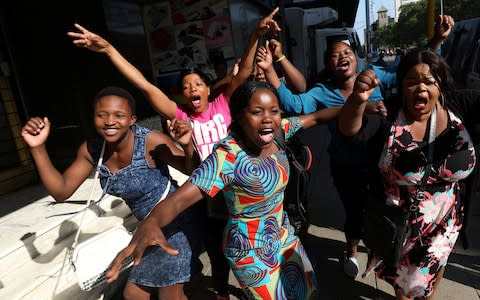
column 29, row 230
column 326, row 243
column 325, row 246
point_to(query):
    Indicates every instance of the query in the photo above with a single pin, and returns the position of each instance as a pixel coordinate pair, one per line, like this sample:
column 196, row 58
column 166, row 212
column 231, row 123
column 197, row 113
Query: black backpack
column 295, row 200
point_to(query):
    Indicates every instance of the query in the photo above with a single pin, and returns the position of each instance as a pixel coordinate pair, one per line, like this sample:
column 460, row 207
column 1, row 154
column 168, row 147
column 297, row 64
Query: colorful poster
column 185, row 33
column 217, row 31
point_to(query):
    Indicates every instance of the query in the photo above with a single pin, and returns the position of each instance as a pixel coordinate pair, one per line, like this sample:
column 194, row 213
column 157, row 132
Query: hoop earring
column 442, row 100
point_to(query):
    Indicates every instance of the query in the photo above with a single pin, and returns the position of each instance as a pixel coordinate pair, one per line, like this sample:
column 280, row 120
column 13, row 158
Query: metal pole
column 430, row 18
column 368, row 27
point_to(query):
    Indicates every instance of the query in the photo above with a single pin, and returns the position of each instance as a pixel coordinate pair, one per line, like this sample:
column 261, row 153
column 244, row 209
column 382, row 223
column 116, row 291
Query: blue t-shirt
column 325, row 95
column 387, row 76
column 322, row 95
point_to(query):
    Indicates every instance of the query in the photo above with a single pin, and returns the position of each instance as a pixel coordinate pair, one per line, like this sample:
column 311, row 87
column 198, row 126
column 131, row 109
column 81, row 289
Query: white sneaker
column 350, row 266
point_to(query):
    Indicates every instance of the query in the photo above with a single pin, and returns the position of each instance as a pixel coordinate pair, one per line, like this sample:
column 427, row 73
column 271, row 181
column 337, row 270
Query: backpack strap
column 280, row 139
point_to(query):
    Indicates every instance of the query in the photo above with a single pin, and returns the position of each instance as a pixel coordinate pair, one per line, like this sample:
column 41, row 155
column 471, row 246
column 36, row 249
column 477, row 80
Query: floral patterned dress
column 267, row 259
column 439, row 219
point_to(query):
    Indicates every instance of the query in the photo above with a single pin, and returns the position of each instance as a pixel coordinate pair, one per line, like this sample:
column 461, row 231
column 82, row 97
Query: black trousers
column 213, row 245
column 352, row 187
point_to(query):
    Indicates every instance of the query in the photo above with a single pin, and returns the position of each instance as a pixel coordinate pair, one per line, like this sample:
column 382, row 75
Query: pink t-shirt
column 210, row 126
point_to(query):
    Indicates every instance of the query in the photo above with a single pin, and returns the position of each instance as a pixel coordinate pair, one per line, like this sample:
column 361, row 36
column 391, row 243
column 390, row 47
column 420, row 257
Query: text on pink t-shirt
column 210, row 126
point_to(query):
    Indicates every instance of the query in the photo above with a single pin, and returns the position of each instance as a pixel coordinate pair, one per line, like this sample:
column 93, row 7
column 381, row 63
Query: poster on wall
column 189, row 33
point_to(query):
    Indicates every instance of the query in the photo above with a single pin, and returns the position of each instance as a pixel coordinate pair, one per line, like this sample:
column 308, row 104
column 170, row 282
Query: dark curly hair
column 193, row 70
column 438, row 68
column 241, row 97
column 115, row 91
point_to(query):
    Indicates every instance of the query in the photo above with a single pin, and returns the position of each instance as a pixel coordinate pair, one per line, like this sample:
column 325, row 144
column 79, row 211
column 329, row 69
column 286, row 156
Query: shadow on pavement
column 201, row 288
column 464, row 269
column 326, row 255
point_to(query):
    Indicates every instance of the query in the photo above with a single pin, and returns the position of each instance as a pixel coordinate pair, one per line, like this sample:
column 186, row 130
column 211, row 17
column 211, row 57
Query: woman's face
column 258, row 74
column 342, row 61
column 420, row 91
column 113, row 118
column 195, row 92
column 261, row 118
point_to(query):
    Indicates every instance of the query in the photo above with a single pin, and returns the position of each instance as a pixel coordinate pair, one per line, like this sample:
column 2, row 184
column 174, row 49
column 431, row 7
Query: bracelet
column 281, row 58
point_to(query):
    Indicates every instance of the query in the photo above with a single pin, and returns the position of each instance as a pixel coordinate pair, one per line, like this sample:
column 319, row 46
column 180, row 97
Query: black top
column 465, row 104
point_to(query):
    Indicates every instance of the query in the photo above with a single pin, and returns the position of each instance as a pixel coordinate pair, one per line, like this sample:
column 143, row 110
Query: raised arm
column 60, row 186
column 350, row 117
column 220, row 85
column 443, row 27
column 246, row 63
column 264, row 59
column 303, row 103
column 86, row 39
column 294, row 78
column 148, row 232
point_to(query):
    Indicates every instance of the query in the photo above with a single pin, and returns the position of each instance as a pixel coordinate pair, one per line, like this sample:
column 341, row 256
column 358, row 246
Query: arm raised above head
column 443, row 27
column 246, row 63
column 350, row 117
column 94, row 42
column 293, row 76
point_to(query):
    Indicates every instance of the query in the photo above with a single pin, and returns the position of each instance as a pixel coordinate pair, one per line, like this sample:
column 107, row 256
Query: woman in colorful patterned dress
column 266, row 257
column 210, row 119
column 399, row 147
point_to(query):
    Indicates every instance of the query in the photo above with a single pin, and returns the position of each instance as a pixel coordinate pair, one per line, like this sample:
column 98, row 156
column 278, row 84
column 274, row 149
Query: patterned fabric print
column 266, row 258
column 439, row 218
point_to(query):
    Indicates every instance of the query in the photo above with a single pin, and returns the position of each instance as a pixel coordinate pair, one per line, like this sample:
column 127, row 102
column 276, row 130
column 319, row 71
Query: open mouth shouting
column 420, row 102
column 196, row 101
column 266, row 135
column 343, row 65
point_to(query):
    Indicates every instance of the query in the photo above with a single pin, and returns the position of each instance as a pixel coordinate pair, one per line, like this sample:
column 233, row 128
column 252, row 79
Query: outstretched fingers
column 136, row 249
column 81, row 38
column 114, row 270
column 268, row 23
column 263, row 56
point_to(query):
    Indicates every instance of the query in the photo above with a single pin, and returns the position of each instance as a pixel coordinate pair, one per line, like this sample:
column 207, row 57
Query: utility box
column 348, row 34
column 301, row 23
column 309, row 30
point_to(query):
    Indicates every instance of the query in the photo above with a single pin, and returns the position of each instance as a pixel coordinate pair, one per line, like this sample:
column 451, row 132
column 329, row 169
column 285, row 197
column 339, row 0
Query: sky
column 360, row 23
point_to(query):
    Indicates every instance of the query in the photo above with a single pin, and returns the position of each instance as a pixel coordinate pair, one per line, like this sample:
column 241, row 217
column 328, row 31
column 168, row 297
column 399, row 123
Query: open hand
column 263, row 57
column 88, row 39
column 147, row 234
column 180, row 131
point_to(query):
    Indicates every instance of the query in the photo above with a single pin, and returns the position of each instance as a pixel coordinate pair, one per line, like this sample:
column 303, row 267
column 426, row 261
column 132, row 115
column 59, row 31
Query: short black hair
column 331, row 45
column 241, row 97
column 115, row 91
column 193, row 70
